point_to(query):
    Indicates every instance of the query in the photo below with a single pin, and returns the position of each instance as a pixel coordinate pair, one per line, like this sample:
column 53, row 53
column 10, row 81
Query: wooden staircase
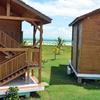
column 13, row 68
column 12, row 64
column 2, row 57
column 7, row 41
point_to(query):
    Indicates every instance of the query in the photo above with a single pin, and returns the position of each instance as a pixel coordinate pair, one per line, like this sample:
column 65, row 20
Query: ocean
column 49, row 42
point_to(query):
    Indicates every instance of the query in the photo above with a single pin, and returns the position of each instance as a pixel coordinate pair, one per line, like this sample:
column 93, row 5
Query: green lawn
column 61, row 86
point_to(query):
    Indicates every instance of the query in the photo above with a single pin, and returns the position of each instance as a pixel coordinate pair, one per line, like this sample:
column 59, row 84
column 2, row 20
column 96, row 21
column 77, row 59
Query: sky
column 62, row 13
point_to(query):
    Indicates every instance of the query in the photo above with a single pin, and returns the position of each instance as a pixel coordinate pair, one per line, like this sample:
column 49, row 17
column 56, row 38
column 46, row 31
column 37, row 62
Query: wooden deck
column 84, row 75
column 24, row 87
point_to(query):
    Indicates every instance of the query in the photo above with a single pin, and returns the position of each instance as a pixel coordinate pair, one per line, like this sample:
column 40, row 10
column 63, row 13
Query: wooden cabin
column 16, row 59
column 86, row 45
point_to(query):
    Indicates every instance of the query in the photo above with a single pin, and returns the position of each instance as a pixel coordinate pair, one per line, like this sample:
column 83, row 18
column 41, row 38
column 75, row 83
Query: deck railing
column 32, row 54
column 23, row 56
column 12, row 65
column 8, row 41
column 29, row 57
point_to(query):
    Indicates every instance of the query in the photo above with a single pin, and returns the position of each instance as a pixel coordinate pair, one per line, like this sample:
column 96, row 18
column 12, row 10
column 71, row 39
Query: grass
column 63, row 86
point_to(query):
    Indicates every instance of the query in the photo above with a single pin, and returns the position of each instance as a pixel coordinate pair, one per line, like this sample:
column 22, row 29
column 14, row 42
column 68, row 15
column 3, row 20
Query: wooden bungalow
column 86, row 46
column 16, row 59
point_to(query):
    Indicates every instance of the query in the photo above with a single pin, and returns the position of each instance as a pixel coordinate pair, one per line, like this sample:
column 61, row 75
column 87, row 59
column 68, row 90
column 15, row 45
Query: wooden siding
column 7, row 41
column 74, row 44
column 79, row 45
column 2, row 11
column 12, row 28
column 90, row 54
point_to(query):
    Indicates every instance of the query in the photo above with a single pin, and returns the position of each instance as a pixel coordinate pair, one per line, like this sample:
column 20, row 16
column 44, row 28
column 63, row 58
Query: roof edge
column 84, row 16
column 23, row 4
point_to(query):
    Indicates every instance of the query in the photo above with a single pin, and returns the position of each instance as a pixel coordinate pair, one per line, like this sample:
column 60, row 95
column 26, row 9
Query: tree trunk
column 55, row 57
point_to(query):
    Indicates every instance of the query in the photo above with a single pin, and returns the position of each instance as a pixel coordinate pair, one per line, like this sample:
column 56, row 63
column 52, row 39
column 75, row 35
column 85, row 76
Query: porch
column 18, row 58
column 24, row 87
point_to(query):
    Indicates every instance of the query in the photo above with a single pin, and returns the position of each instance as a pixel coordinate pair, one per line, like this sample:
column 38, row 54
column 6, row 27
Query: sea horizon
column 48, row 41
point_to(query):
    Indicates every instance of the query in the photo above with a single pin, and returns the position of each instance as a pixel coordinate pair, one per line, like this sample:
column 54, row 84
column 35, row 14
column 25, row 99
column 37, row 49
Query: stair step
column 12, row 77
column 7, row 57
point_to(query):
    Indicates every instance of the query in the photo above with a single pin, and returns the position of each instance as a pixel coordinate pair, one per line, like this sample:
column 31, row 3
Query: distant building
column 85, row 58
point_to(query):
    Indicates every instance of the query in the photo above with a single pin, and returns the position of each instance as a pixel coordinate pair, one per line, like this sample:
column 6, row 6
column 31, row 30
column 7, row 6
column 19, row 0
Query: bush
column 12, row 94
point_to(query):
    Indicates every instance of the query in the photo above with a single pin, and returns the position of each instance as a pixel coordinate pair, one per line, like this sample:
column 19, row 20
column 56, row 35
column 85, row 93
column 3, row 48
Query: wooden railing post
column 8, row 8
column 27, row 75
column 34, row 36
column 40, row 55
column 32, row 72
column 29, row 55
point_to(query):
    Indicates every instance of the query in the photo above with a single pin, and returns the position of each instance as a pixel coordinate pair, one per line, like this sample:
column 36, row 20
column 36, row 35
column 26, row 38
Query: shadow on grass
column 59, row 77
column 34, row 95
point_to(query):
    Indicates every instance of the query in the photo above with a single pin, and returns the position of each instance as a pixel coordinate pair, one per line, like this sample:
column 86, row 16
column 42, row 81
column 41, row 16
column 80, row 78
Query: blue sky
column 62, row 12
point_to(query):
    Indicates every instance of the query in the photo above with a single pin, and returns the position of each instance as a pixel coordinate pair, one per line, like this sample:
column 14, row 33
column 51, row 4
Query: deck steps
column 2, row 57
column 12, row 63
column 13, row 76
column 7, row 41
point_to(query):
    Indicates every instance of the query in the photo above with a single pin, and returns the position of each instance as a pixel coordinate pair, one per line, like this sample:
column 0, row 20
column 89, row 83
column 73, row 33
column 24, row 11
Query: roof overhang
column 43, row 17
column 21, row 9
column 80, row 18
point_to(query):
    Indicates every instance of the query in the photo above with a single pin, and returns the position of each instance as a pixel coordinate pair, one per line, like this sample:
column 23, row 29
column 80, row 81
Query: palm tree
column 60, row 43
column 58, row 47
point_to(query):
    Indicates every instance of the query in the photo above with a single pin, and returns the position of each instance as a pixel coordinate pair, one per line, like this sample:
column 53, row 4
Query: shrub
column 12, row 94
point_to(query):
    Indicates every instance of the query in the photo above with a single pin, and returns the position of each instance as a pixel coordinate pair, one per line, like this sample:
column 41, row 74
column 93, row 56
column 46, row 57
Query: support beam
column 40, row 59
column 8, row 8
column 18, row 49
column 34, row 36
column 32, row 72
column 27, row 76
column 13, row 49
column 18, row 18
column 36, row 26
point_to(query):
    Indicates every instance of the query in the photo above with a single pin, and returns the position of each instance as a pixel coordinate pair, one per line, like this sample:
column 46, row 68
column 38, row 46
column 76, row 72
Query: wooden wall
column 90, row 52
column 74, row 46
column 2, row 11
column 12, row 28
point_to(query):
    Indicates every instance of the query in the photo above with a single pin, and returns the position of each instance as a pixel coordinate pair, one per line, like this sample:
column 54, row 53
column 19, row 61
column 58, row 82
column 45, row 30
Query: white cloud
column 54, row 33
column 65, row 7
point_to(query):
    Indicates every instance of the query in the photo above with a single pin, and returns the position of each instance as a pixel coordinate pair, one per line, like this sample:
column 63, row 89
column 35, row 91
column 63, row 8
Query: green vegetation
column 60, row 42
column 12, row 94
column 58, row 48
column 62, row 86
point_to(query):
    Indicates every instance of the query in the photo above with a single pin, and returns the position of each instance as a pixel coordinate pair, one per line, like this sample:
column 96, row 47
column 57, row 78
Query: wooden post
column 8, row 8
column 32, row 72
column 34, row 42
column 40, row 54
column 27, row 76
column 34, row 35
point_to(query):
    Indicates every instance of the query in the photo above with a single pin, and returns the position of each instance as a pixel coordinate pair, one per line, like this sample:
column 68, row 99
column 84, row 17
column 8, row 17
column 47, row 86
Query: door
column 75, row 41
column 76, row 45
